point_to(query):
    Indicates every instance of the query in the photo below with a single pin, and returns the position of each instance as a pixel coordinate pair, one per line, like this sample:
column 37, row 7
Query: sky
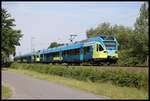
column 44, row 22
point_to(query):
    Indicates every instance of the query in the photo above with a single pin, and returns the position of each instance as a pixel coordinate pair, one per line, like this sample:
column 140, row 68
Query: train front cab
column 102, row 54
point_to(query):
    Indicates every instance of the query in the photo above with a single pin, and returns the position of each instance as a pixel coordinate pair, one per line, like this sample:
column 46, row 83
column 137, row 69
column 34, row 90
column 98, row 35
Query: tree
column 120, row 32
column 10, row 37
column 54, row 44
column 123, row 36
column 137, row 40
column 102, row 29
column 141, row 45
column 142, row 23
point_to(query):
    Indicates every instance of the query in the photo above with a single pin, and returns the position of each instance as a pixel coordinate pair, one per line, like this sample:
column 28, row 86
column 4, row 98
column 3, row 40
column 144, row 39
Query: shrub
column 119, row 77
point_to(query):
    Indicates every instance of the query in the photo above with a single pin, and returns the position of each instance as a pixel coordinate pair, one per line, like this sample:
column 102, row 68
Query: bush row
column 118, row 76
column 130, row 61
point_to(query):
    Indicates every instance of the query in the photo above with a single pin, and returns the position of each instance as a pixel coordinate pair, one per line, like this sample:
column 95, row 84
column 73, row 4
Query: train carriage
column 94, row 50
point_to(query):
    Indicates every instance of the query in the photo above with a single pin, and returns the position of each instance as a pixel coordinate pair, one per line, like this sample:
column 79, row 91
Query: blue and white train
column 94, row 50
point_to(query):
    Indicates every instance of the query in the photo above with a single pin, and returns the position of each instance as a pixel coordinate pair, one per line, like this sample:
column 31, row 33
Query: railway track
column 103, row 67
column 109, row 66
column 140, row 69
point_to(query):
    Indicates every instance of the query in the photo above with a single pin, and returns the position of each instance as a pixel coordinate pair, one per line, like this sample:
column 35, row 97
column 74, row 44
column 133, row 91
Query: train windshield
column 106, row 37
column 110, row 45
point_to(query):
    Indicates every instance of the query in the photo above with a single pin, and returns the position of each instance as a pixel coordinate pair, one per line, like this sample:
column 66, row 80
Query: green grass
column 6, row 92
column 104, row 89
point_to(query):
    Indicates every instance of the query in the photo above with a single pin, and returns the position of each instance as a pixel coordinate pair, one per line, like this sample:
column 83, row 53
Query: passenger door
column 98, row 51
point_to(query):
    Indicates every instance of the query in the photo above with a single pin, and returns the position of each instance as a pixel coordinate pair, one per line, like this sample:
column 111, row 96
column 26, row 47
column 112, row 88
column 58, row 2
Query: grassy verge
column 104, row 89
column 6, row 92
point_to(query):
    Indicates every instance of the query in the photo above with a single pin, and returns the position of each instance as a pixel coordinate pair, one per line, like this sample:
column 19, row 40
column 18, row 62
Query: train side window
column 71, row 52
column 74, row 52
column 86, row 50
column 68, row 52
column 57, row 54
column 41, row 55
column 63, row 53
column 77, row 52
column 100, row 48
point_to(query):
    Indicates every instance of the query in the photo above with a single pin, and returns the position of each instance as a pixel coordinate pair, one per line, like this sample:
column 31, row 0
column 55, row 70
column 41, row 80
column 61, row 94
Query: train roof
column 79, row 44
column 25, row 55
column 75, row 45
